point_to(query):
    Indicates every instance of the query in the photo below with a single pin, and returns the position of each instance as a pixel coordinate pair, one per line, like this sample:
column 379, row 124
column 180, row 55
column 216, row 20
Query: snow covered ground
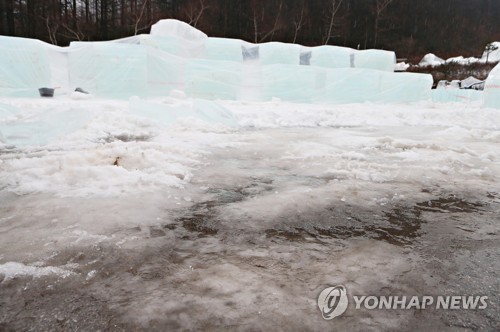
column 174, row 213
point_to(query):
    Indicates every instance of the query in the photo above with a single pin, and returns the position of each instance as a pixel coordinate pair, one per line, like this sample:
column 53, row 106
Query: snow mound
column 431, row 60
column 401, row 66
column 461, row 60
column 175, row 28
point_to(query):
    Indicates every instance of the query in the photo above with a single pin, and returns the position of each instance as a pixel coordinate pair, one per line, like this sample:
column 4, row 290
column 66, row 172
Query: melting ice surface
column 186, row 213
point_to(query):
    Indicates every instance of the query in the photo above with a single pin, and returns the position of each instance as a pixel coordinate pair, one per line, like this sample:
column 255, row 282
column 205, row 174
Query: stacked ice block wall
column 176, row 56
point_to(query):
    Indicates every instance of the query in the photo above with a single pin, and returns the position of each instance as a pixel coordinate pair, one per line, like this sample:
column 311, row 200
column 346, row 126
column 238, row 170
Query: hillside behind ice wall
column 175, row 56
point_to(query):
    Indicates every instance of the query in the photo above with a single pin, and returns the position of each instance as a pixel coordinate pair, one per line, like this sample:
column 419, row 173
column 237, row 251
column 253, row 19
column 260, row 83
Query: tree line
column 411, row 28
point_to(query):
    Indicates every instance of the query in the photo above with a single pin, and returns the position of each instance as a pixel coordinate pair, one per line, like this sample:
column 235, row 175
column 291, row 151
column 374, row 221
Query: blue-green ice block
column 289, row 83
column 24, row 67
column 279, row 53
column 492, row 89
column 213, row 79
column 456, row 95
column 224, row 49
column 109, row 69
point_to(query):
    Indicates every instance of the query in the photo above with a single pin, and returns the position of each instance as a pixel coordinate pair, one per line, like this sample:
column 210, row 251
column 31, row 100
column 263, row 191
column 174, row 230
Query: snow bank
column 155, row 145
column 281, row 114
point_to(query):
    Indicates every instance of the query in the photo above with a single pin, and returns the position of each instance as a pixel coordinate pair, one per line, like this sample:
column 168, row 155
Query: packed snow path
column 254, row 222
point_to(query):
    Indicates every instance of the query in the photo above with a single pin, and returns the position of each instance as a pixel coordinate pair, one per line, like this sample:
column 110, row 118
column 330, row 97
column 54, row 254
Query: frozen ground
column 128, row 219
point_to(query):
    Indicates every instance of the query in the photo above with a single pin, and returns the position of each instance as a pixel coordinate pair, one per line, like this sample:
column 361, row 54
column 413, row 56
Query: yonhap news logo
column 334, row 301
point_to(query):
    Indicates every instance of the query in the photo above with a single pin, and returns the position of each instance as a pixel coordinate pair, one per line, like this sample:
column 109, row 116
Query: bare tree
column 52, row 28
column 262, row 31
column 255, row 26
column 75, row 33
column 257, row 17
column 138, row 19
column 380, row 6
column 298, row 23
column 334, row 8
column 195, row 11
column 276, row 20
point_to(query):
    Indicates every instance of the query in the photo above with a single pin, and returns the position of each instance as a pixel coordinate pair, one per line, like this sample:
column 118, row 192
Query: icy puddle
column 250, row 226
